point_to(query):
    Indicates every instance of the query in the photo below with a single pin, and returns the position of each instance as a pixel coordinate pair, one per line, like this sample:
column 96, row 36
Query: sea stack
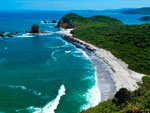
column 35, row 29
column 54, row 21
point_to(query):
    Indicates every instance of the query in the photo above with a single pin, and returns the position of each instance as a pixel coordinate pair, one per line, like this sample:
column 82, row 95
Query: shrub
column 122, row 96
column 146, row 82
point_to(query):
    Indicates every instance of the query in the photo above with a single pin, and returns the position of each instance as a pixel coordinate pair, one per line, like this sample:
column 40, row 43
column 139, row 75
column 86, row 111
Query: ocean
column 44, row 73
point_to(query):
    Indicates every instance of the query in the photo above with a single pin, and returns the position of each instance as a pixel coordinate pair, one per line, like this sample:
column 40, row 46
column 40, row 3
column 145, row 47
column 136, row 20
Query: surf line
column 51, row 106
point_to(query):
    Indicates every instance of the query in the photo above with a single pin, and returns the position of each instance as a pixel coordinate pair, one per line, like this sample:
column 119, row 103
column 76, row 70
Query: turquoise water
column 43, row 73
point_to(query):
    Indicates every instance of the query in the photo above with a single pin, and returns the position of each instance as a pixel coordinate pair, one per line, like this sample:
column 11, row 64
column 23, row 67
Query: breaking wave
column 51, row 106
column 93, row 95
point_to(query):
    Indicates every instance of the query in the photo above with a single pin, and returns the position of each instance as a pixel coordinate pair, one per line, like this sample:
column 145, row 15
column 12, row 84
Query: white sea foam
column 48, row 22
column 67, row 51
column 46, row 33
column 56, row 47
column 51, row 106
column 23, row 88
column 25, row 35
column 34, row 35
column 52, row 55
column 93, row 95
column 66, row 44
column 84, row 54
column 14, row 86
column 80, row 53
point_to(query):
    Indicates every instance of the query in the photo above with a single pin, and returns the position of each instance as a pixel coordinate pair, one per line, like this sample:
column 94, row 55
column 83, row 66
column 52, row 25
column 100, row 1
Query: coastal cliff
column 124, row 42
column 69, row 20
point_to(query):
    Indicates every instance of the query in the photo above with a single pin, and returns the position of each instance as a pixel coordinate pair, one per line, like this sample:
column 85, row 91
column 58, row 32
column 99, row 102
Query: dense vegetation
column 131, row 43
column 72, row 20
column 144, row 11
column 125, row 101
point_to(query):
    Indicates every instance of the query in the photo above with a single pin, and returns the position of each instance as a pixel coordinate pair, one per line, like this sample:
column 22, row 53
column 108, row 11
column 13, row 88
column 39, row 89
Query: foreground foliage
column 139, row 101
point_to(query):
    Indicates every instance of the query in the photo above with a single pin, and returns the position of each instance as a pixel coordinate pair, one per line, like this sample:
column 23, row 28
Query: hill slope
column 73, row 20
column 144, row 11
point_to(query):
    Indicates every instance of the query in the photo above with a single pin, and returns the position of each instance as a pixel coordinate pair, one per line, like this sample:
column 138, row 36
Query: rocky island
column 146, row 18
column 35, row 29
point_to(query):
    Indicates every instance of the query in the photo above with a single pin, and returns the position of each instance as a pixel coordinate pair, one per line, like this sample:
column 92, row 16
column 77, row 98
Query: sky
column 71, row 4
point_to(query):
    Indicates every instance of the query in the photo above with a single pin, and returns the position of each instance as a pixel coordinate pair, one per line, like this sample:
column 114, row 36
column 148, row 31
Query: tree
column 122, row 96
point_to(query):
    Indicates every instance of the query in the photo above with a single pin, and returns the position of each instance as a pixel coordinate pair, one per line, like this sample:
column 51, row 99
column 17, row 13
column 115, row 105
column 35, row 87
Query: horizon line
column 68, row 9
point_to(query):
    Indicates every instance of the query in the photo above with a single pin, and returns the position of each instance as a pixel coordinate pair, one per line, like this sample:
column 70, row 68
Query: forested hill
column 144, row 11
column 131, row 43
column 73, row 20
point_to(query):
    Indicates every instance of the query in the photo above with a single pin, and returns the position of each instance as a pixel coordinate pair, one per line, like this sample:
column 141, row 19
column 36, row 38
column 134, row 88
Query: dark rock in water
column 10, row 35
column 54, row 21
column 35, row 29
column 146, row 18
column 1, row 35
column 17, row 33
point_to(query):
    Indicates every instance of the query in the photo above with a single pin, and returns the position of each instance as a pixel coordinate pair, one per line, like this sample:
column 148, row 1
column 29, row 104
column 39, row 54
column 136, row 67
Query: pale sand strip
column 121, row 75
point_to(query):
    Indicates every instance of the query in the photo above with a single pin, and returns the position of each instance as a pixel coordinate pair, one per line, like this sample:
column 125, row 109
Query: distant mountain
column 88, row 10
column 104, row 11
column 144, row 11
column 115, row 10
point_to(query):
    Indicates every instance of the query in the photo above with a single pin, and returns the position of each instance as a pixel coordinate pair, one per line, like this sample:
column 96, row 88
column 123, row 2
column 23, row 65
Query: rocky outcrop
column 10, row 35
column 2, row 35
column 69, row 21
column 54, row 21
column 35, row 29
column 63, row 23
column 72, row 39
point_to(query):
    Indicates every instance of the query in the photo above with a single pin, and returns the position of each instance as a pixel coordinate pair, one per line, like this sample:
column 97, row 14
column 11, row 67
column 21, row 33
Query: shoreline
column 103, row 80
column 119, row 75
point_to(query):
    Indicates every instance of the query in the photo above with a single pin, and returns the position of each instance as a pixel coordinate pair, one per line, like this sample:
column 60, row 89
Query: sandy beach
column 119, row 76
